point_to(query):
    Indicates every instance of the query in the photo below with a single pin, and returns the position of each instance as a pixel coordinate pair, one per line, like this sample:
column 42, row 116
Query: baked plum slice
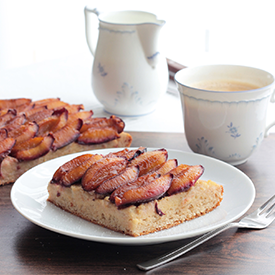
column 102, row 170
column 6, row 146
column 38, row 113
column 74, row 175
column 148, row 192
column 130, row 174
column 73, row 108
column 56, row 104
column 68, row 166
column 127, row 153
column 150, row 161
column 33, row 148
column 44, row 102
column 53, row 123
column 24, row 132
column 185, row 176
column 167, row 166
column 10, row 114
column 3, row 134
column 13, row 103
column 62, row 115
column 140, row 181
column 84, row 115
column 66, row 135
column 15, row 122
column 24, row 108
column 97, row 135
column 103, row 122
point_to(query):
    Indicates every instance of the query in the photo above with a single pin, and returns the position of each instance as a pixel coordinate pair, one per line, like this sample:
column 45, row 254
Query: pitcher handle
column 88, row 20
column 272, row 100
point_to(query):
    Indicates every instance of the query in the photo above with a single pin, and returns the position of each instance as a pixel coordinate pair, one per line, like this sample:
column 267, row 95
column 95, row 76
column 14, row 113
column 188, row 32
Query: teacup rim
column 225, row 92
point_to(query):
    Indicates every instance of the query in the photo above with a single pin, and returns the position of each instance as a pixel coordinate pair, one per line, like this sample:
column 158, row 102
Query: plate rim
column 129, row 240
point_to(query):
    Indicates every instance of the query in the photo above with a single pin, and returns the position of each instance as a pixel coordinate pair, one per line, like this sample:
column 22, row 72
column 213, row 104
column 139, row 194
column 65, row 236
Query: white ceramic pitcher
column 129, row 73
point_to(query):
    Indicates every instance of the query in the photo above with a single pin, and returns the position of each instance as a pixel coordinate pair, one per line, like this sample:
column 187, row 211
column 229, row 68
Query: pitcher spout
column 149, row 35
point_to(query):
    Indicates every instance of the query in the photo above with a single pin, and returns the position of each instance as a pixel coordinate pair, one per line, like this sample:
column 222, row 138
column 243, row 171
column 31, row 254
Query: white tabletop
column 70, row 80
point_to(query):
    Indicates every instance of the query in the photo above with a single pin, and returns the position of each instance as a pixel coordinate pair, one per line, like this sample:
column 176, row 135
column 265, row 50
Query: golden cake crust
column 145, row 218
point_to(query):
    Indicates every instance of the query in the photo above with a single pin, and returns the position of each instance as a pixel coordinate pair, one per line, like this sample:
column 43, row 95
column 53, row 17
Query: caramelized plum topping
column 33, row 148
column 121, row 153
column 57, row 104
column 53, row 123
column 45, row 102
column 102, row 170
column 24, row 132
column 184, row 179
column 129, row 154
column 24, row 108
column 13, row 103
column 140, row 181
column 3, row 134
column 167, row 166
column 75, row 174
column 62, row 115
column 148, row 192
column 7, row 117
column 6, row 146
column 129, row 175
column 46, row 125
column 150, row 161
column 38, row 114
column 102, row 122
column 74, row 108
column 97, row 135
column 15, row 122
column 82, row 115
column 67, row 134
column 118, row 123
column 68, row 166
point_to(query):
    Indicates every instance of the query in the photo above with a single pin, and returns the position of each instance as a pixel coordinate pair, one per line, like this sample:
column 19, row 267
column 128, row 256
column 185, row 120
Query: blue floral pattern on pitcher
column 101, row 70
column 127, row 95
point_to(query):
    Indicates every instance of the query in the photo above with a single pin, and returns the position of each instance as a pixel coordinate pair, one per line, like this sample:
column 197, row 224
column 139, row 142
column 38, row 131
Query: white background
column 43, row 50
column 206, row 31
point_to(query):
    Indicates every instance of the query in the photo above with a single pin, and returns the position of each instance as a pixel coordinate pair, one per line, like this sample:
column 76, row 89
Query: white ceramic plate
column 29, row 197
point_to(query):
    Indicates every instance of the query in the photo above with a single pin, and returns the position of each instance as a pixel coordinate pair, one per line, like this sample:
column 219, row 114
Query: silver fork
column 259, row 219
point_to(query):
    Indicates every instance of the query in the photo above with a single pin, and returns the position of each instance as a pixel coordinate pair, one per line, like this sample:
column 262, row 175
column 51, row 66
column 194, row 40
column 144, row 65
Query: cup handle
column 272, row 100
column 88, row 21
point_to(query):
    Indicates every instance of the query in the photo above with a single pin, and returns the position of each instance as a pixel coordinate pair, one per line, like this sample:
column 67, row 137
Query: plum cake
column 32, row 132
column 133, row 191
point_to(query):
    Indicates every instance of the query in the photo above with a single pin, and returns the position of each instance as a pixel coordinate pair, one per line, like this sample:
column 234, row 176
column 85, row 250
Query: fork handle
column 182, row 250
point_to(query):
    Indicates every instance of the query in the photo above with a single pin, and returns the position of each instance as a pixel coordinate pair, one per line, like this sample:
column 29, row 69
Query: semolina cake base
column 143, row 219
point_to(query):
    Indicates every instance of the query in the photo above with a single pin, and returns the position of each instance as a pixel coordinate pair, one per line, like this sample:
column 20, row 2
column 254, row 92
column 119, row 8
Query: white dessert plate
column 29, row 196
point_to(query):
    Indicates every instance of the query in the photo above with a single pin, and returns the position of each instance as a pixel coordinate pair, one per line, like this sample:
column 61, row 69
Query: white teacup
column 221, row 123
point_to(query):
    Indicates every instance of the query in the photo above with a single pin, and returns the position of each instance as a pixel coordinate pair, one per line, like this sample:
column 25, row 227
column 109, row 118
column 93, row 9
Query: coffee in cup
column 225, row 86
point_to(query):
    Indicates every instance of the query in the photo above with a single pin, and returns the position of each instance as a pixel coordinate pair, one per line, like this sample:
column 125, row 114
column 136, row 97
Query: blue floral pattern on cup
column 258, row 141
column 203, row 147
column 233, row 131
column 234, row 156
